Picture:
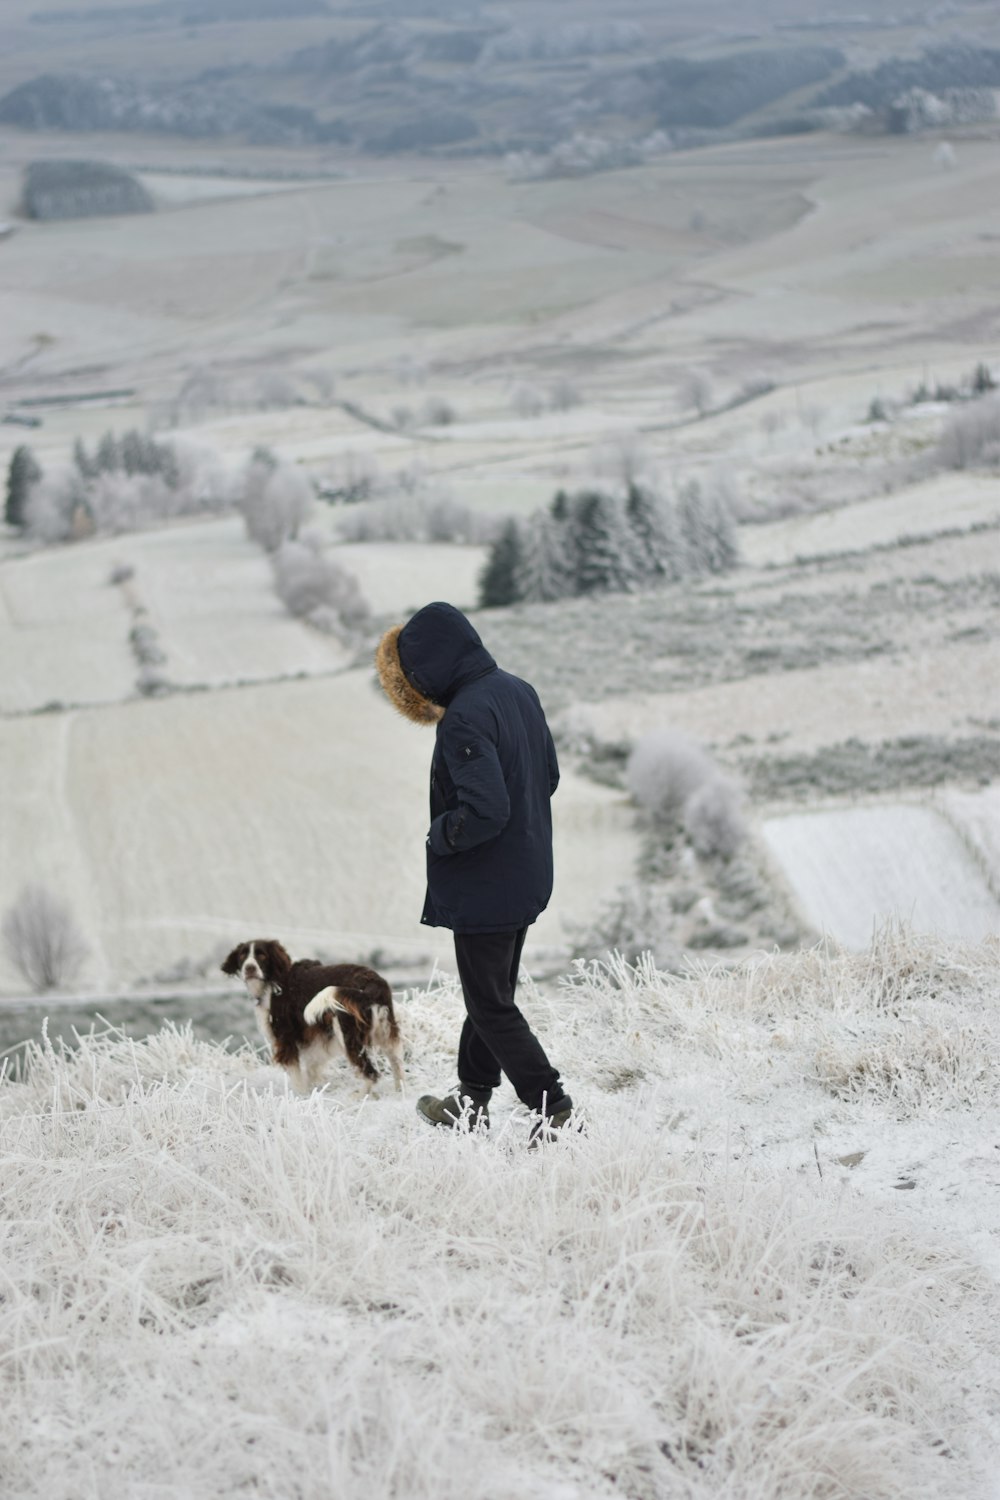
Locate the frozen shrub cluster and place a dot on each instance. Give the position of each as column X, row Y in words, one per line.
column 678, row 784
column 313, row 587
column 417, row 512
column 274, row 498
column 351, row 478
column 124, row 484
column 971, row 436
column 42, row 939
column 437, row 411
column 143, row 636
column 528, row 401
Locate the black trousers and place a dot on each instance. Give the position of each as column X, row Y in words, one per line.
column 495, row 1036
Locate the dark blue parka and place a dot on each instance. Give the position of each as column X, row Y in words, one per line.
column 489, row 849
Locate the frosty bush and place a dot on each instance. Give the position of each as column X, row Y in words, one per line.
column 665, row 769
column 678, row 785
column 275, row 499
column 417, row 515
column 972, row 436
column 527, row 401
column 126, row 483
column 352, row 477
column 311, row 586
column 42, row 938
column 437, row 412
column 712, row 818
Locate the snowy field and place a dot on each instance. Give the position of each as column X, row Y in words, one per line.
column 854, row 867
column 947, row 501
column 768, row 1268
column 295, row 809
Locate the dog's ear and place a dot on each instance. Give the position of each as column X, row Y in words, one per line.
column 234, row 963
column 280, row 960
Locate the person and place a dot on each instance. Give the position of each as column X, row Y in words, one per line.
column 489, row 850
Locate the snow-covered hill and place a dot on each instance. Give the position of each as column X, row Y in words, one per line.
column 768, row 1268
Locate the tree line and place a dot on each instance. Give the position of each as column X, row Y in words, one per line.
column 595, row 542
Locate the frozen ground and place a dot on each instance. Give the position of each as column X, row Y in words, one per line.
column 767, row 1269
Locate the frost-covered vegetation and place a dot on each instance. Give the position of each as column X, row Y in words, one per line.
column 80, row 189
column 212, row 1287
column 126, row 482
column 597, row 542
column 710, row 631
column 42, row 938
column 276, row 501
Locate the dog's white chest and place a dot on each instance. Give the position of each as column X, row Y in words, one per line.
column 262, row 1010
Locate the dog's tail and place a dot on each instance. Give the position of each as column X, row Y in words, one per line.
column 331, row 999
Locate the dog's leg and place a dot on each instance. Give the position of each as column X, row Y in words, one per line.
column 394, row 1052
column 298, row 1076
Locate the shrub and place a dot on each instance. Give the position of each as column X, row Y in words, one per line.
column 437, row 412
column 971, row 435
column 276, row 500
column 712, row 818
column 42, row 938
column 665, row 770
column 311, row 586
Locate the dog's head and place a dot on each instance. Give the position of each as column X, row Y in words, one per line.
column 262, row 961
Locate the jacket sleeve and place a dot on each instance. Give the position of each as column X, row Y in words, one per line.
column 553, row 763
column 483, row 803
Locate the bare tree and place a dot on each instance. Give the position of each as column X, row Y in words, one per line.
column 696, row 391
column 42, row 938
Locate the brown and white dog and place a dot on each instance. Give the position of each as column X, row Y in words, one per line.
column 310, row 1013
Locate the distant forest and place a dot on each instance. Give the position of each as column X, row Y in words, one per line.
column 442, row 77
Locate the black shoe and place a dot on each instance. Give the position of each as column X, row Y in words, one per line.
column 457, row 1112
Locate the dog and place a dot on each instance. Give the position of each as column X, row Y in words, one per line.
column 310, row 1013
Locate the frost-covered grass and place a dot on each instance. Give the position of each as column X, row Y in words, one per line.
column 211, row 1287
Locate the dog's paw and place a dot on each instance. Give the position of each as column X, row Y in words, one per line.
column 319, row 1006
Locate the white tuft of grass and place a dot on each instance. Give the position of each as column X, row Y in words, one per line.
column 211, row 1286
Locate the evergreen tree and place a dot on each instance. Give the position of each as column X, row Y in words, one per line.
column 602, row 546
column 86, row 467
column 560, row 507
column 108, row 459
column 498, row 581
column 708, row 530
column 22, row 475
column 659, row 547
column 544, row 572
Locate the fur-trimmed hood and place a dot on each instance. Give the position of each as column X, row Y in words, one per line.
column 422, row 664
